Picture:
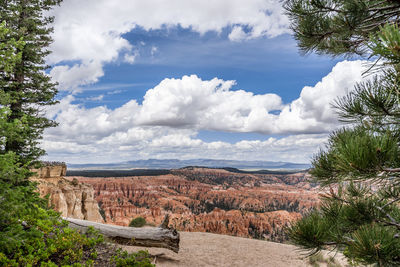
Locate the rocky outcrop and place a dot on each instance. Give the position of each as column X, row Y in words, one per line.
column 51, row 171
column 208, row 200
column 71, row 198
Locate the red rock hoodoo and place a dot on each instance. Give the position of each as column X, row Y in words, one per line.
column 208, row 200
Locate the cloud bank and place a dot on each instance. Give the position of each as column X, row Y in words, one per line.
column 172, row 113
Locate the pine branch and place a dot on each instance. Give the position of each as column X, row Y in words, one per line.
column 372, row 66
column 384, row 8
column 391, row 202
column 392, row 220
column 391, row 170
column 333, row 195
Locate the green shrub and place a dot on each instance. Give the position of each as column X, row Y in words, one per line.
column 43, row 239
column 75, row 182
column 33, row 235
column 138, row 222
column 138, row 259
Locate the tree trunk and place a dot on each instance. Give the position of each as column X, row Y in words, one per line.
column 161, row 237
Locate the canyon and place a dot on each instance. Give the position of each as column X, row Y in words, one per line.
column 199, row 199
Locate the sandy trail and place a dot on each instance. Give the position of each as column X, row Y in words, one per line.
column 205, row 249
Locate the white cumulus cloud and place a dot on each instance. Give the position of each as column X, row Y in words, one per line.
column 166, row 124
column 212, row 105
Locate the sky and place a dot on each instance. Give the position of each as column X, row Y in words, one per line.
column 187, row 79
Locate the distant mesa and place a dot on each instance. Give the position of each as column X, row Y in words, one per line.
column 176, row 164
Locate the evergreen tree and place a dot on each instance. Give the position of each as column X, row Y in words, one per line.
column 31, row 234
column 359, row 215
column 27, row 89
column 10, row 56
column 338, row 27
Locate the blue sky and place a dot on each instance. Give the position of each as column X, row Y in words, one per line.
column 261, row 66
column 136, row 86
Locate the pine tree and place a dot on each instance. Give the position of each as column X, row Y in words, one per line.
column 360, row 213
column 10, row 56
column 339, row 27
column 27, row 89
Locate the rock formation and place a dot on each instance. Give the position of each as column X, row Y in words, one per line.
column 208, row 200
column 70, row 198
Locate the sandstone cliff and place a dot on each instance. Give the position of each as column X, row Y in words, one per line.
column 208, row 200
column 70, row 198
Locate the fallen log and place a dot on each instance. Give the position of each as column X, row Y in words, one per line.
column 161, row 237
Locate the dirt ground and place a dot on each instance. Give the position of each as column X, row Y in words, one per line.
column 205, row 249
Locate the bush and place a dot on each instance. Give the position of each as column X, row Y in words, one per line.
column 138, row 259
column 75, row 182
column 138, row 222
column 33, row 235
column 41, row 237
